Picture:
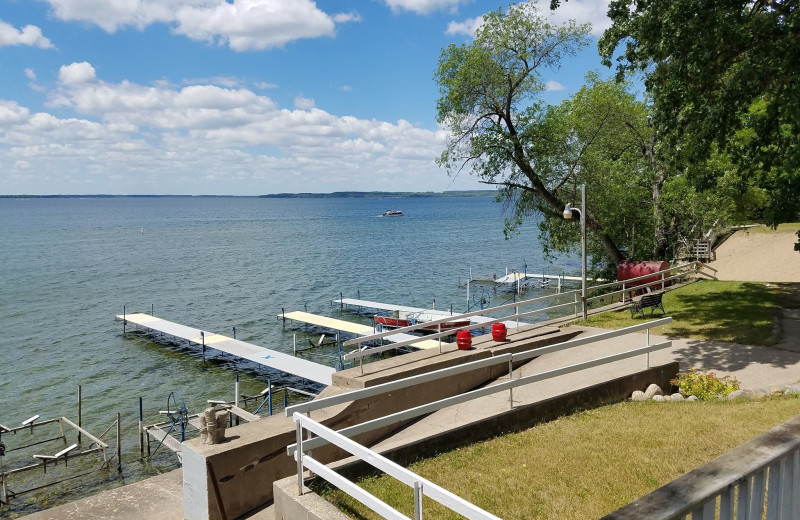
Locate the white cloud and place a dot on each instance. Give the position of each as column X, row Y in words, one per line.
column 76, row 73
column 554, row 86
column 28, row 35
column 131, row 138
column 30, row 74
column 468, row 27
column 582, row 11
column 243, row 25
column 263, row 85
column 303, row 103
column 424, row 6
column 346, row 88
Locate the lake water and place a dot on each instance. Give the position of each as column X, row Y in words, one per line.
column 69, row 265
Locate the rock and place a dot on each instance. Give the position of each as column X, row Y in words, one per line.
column 736, row 394
column 638, row 395
column 652, row 390
column 775, row 390
column 791, row 390
column 676, row 397
column 658, row 398
column 692, row 398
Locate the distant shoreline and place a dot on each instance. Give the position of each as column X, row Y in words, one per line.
column 333, row 195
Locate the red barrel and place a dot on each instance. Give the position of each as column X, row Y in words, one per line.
column 464, row 339
column 628, row 270
column 499, row 332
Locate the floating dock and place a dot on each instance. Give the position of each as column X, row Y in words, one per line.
column 419, row 313
column 355, row 328
column 263, row 356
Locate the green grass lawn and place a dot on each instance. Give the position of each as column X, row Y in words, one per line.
column 792, row 227
column 740, row 312
column 585, row 465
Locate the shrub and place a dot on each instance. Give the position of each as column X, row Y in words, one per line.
column 704, row 385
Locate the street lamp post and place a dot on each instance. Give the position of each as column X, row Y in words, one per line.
column 569, row 212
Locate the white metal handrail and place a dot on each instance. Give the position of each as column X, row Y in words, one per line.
column 420, row 485
column 509, row 385
column 683, row 268
column 375, row 350
column 391, row 386
column 454, row 317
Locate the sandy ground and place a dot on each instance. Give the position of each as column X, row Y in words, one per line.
column 758, row 257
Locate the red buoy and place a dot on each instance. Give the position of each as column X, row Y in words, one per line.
column 464, row 339
column 499, row 332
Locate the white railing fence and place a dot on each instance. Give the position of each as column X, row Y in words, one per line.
column 421, row 486
column 673, row 273
column 342, row 437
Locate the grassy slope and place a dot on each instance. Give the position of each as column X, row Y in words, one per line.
column 740, row 312
column 585, row 465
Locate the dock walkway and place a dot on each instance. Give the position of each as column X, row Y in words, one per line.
column 355, row 328
column 418, row 312
column 241, row 349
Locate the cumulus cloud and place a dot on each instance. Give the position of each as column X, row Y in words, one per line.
column 424, row 6
column 76, row 73
column 164, row 138
column 554, row 86
column 468, row 27
column 243, row 25
column 582, row 11
column 30, row 74
column 28, row 35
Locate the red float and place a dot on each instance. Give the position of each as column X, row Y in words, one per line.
column 499, row 332
column 464, row 339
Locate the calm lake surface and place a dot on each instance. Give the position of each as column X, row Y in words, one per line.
column 69, row 265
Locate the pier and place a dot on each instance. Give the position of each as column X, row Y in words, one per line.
column 241, row 349
column 355, row 328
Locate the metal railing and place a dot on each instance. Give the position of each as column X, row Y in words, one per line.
column 758, row 479
column 420, row 485
column 665, row 276
column 341, row 438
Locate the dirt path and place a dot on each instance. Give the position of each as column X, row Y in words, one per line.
column 758, row 257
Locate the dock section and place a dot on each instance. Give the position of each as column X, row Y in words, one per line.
column 355, row 328
column 241, row 349
column 419, row 313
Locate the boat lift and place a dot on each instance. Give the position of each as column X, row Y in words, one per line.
column 67, row 453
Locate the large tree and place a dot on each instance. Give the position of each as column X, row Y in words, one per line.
column 501, row 131
column 724, row 76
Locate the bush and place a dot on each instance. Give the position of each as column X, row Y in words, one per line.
column 704, row 385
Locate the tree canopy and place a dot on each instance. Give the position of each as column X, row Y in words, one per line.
column 501, row 131
column 724, row 78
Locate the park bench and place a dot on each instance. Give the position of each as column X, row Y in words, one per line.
column 651, row 300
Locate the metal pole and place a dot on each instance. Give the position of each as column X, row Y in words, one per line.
column 141, row 428
column 299, row 456
column 417, row 500
column 234, row 333
column 119, row 446
column 152, row 310
column 124, row 319
column 583, row 249
column 236, row 398
column 79, row 413
column 203, row 338
column 269, row 396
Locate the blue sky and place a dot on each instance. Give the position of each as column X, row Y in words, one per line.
column 236, row 97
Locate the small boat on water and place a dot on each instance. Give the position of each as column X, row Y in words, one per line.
column 392, row 213
column 396, row 323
